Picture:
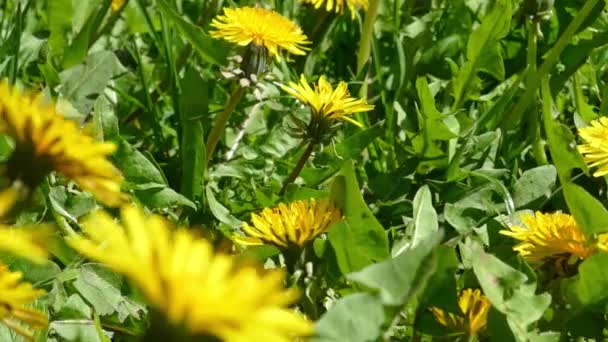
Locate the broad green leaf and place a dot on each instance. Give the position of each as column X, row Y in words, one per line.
column 193, row 107
column 588, row 287
column 367, row 241
column 73, row 312
column 82, row 83
column 425, row 216
column 219, row 211
column 441, row 289
column 483, row 50
column 431, row 121
column 60, row 24
column 589, row 213
column 101, row 287
column 355, row 318
column 510, row 292
column 534, row 184
column 136, row 168
column 207, row 47
column 164, row 197
column 394, row 279
column 560, row 139
column 105, row 120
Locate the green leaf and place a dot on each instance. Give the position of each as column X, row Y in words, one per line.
column 394, row 278
column 589, row 213
column 441, row 290
column 60, row 24
column 101, row 287
column 82, row 83
column 194, row 105
column 483, row 50
column 105, row 120
column 560, row 139
column 219, row 211
column 431, row 121
column 355, row 318
column 534, row 184
column 206, row 46
column 588, row 287
column 360, row 239
column 136, row 168
column 510, row 292
column 425, row 216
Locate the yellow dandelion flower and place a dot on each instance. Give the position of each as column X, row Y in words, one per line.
column 117, row 5
column 45, row 141
column 289, row 225
column 473, row 317
column 208, row 293
column 25, row 242
column 595, row 148
column 262, row 27
column 337, row 6
column 326, row 102
column 14, row 295
column 549, row 237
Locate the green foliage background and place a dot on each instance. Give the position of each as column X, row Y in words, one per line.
column 476, row 108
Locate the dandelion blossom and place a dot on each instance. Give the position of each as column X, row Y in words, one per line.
column 262, row 27
column 117, row 5
column 473, row 317
column 14, row 295
column 25, row 242
column 208, row 293
column 595, row 148
column 287, row 225
column 550, row 236
column 337, row 6
column 45, row 141
column 327, row 103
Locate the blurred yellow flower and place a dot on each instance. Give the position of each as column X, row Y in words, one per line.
column 262, row 27
column 117, row 4
column 288, row 225
column 45, row 142
column 595, row 148
column 338, row 5
column 25, row 242
column 208, row 293
column 327, row 103
column 473, row 317
column 549, row 237
column 14, row 295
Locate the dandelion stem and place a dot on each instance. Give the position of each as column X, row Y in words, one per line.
column 221, row 120
column 296, row 171
column 538, row 148
column 367, row 32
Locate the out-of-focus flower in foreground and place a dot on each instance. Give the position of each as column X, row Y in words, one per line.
column 288, row 225
column 14, row 295
column 473, row 317
column 338, row 6
column 207, row 293
column 45, row 142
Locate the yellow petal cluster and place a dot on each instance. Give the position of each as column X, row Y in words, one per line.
column 208, row 293
column 45, row 141
column 473, row 317
column 595, row 148
column 117, row 5
column 552, row 236
column 14, row 295
column 262, row 27
column 337, row 6
column 326, row 102
column 25, row 242
column 288, row 225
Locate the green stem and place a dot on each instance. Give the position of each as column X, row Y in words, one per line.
column 296, row 171
column 367, row 32
column 221, row 120
column 109, row 24
column 538, row 148
column 552, row 58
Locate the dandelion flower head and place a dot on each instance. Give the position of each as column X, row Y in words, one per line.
column 473, row 317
